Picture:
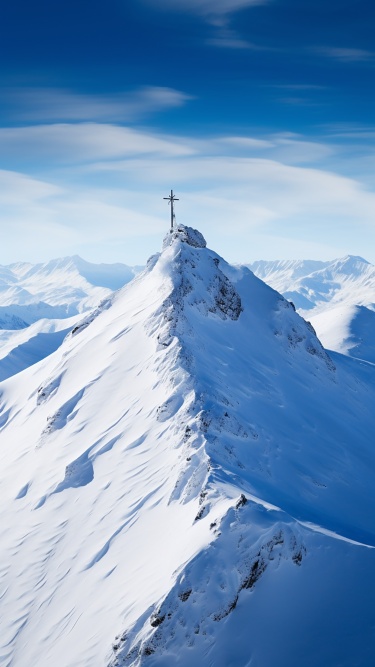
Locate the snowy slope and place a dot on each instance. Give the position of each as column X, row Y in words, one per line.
column 349, row 330
column 338, row 297
column 26, row 346
column 186, row 476
column 40, row 304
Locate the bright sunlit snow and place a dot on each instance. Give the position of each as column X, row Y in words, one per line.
column 188, row 480
column 41, row 303
column 338, row 297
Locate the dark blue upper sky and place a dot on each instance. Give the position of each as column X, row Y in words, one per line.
column 102, row 100
column 284, row 64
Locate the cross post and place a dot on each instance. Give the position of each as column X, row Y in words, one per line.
column 171, row 199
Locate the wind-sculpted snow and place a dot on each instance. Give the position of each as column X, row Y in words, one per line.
column 21, row 349
column 188, row 474
column 349, row 330
column 82, row 324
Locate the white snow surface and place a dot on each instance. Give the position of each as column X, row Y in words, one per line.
column 41, row 303
column 338, row 297
column 24, row 347
column 349, row 330
column 188, row 480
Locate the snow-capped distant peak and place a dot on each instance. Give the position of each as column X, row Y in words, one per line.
column 60, row 288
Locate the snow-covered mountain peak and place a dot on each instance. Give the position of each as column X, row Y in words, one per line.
column 351, row 267
column 196, row 277
column 186, row 235
column 351, row 260
column 186, row 455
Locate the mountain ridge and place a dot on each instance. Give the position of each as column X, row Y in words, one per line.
column 181, row 461
column 315, row 285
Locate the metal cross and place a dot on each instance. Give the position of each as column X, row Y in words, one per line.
column 171, row 199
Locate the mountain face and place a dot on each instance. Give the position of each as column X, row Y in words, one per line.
column 338, row 297
column 187, row 480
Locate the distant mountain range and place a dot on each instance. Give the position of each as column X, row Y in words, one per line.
column 57, row 289
column 314, row 285
column 338, row 297
column 41, row 303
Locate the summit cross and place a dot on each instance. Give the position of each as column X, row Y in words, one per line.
column 171, row 200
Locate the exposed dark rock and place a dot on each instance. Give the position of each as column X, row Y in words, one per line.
column 227, row 611
column 157, row 619
column 256, row 571
column 185, row 595
column 241, row 501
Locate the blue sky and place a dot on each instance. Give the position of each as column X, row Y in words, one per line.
column 259, row 114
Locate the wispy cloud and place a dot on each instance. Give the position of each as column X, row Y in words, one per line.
column 18, row 189
column 299, row 87
column 246, row 143
column 212, row 10
column 53, row 104
column 347, row 55
column 94, row 143
column 80, row 142
column 111, row 182
column 217, row 13
column 230, row 39
column 231, row 199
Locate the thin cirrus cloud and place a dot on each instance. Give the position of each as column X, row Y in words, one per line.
column 71, row 143
column 229, row 39
column 217, row 13
column 347, row 55
column 288, row 148
column 52, row 104
column 261, row 186
column 209, row 9
column 18, row 190
column 96, row 143
column 252, row 194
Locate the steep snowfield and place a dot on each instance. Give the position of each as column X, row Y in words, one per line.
column 24, row 347
column 187, row 480
column 349, row 330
